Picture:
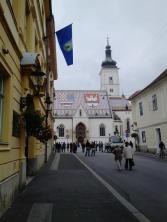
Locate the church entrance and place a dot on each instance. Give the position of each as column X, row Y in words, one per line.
column 80, row 132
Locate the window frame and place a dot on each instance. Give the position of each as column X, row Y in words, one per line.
column 154, row 102
column 143, row 136
column 110, row 80
column 102, row 130
column 61, row 130
column 141, row 108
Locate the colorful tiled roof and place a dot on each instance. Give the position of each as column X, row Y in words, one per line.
column 94, row 102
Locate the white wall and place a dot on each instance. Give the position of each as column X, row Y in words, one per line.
column 104, row 78
column 94, row 133
column 92, row 128
column 151, row 120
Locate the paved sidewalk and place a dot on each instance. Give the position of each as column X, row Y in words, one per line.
column 66, row 192
column 151, row 155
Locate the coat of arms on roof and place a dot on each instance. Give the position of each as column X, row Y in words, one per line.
column 66, row 99
column 91, row 99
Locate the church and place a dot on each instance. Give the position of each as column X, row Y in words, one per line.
column 93, row 115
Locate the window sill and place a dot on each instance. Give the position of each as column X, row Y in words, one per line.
column 4, row 146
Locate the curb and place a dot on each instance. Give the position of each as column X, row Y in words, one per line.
column 154, row 156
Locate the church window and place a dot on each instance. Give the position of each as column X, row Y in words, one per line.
column 111, row 90
column 110, row 80
column 80, row 112
column 1, row 102
column 102, row 130
column 61, row 131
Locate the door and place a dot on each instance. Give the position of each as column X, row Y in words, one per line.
column 80, row 132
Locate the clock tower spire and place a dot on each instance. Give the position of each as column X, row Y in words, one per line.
column 109, row 73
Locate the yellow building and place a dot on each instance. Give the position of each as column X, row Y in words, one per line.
column 27, row 70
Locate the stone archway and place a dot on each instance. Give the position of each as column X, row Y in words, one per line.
column 80, row 132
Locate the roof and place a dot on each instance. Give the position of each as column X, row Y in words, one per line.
column 94, row 102
column 120, row 104
column 159, row 78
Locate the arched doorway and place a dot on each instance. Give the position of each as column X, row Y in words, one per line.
column 80, row 132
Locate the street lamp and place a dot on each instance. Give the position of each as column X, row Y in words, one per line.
column 48, row 109
column 38, row 74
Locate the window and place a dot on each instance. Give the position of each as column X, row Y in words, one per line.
column 128, row 125
column 141, row 108
column 61, row 131
column 102, row 130
column 143, row 134
column 80, row 112
column 110, row 80
column 1, row 102
column 16, row 124
column 116, row 130
column 154, row 102
column 111, row 90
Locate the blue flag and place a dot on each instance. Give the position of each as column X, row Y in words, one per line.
column 64, row 37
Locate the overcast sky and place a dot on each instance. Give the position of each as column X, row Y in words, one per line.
column 137, row 31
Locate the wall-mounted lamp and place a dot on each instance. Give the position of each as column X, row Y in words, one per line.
column 48, row 102
column 38, row 74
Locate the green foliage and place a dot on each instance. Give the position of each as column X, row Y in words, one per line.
column 34, row 121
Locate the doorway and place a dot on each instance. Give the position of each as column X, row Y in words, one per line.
column 80, row 132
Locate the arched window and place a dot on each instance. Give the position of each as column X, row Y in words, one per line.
column 61, row 130
column 102, row 130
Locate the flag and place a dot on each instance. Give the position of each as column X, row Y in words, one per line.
column 64, row 37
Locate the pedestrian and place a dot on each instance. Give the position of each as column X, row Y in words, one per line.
column 162, row 150
column 71, row 147
column 68, row 146
column 87, row 153
column 128, row 154
column 83, row 147
column 118, row 151
column 74, row 147
column 63, row 147
column 93, row 149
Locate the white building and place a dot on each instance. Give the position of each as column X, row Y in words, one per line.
column 149, row 113
column 93, row 114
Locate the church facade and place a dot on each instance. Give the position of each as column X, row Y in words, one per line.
column 93, row 115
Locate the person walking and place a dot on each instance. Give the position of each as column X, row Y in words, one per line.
column 118, row 156
column 93, row 148
column 162, row 150
column 87, row 153
column 128, row 154
column 83, row 147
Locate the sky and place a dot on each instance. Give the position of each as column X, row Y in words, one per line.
column 137, row 32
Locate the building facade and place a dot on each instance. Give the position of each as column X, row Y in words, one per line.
column 149, row 109
column 27, row 71
column 93, row 115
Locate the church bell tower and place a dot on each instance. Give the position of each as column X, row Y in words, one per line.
column 109, row 76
